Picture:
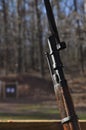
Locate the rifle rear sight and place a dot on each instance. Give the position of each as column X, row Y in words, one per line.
column 58, row 45
column 54, row 48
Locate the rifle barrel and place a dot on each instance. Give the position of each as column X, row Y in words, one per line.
column 66, row 106
column 51, row 19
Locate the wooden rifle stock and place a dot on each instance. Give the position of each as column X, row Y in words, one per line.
column 69, row 118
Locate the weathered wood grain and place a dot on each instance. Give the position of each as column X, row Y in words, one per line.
column 35, row 125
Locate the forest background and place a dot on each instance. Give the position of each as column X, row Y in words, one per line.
column 24, row 31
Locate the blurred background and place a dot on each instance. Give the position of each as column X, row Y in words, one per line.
column 26, row 90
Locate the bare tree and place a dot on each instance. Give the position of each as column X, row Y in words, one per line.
column 80, row 40
column 20, row 36
column 39, row 37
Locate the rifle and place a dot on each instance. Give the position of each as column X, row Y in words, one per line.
column 69, row 118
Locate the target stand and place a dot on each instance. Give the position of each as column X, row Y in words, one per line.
column 10, row 90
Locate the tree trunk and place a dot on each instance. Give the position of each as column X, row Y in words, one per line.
column 39, row 35
column 80, row 46
column 5, row 14
column 85, row 7
column 20, row 60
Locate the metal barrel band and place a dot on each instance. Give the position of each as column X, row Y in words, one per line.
column 68, row 119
